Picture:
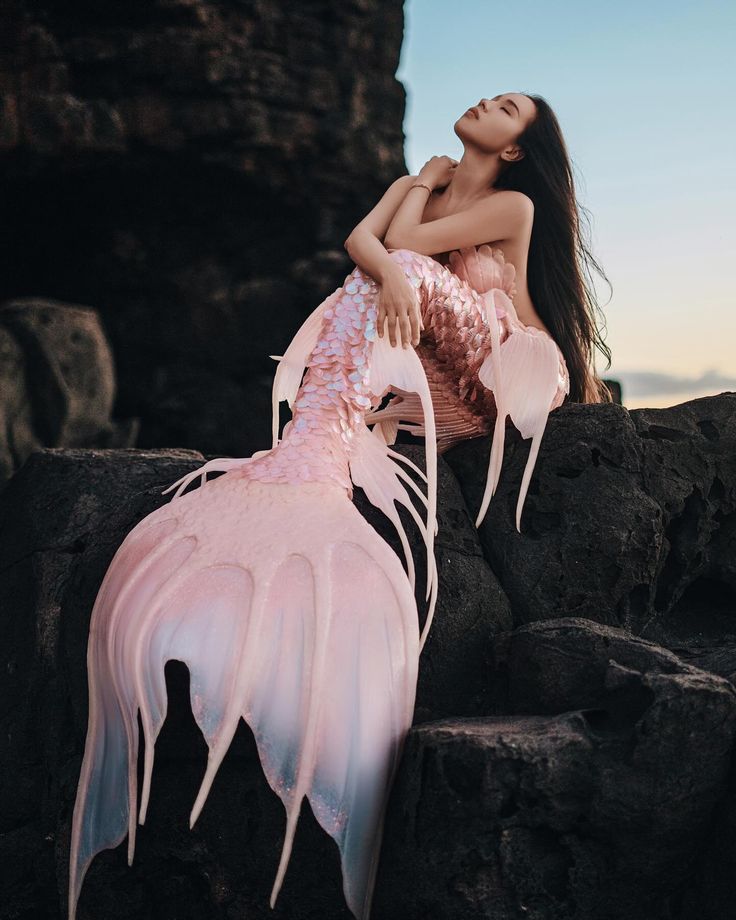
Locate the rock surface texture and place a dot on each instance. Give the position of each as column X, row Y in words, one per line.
column 573, row 743
column 178, row 178
column 190, row 169
column 57, row 381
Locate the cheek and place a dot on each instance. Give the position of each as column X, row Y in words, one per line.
column 491, row 135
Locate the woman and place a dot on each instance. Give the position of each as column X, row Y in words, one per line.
column 512, row 189
column 288, row 608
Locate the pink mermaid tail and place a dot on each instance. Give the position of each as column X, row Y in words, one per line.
column 288, row 608
column 483, row 364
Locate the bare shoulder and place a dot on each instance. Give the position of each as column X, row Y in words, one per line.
column 514, row 203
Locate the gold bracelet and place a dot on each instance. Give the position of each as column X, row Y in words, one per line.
column 422, row 185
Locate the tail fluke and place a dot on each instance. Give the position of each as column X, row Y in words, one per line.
column 309, row 634
column 105, row 804
column 363, row 679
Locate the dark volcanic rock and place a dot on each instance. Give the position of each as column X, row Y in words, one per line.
column 630, row 520
column 552, row 666
column 191, row 170
column 595, row 803
column 689, row 469
column 563, row 769
column 58, row 381
column 589, row 532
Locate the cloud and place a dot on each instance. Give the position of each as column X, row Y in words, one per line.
column 636, row 384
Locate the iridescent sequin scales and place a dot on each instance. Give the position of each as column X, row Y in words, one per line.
column 335, row 400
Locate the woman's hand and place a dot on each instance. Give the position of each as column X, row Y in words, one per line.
column 398, row 303
column 437, row 171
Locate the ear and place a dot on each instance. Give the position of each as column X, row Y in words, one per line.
column 513, row 155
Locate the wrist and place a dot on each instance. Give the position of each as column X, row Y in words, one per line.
column 388, row 270
column 424, row 180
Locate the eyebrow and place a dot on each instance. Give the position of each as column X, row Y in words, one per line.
column 510, row 102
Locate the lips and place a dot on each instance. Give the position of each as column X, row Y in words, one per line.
column 474, row 111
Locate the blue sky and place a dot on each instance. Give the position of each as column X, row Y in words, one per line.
column 645, row 95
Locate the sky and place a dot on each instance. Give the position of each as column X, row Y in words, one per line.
column 644, row 93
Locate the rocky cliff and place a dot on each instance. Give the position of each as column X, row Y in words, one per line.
column 189, row 169
column 573, row 740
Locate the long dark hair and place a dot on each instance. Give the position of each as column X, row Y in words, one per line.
column 558, row 269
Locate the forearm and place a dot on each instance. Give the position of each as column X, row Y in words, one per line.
column 407, row 217
column 369, row 254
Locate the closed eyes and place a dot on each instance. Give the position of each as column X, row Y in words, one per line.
column 503, row 108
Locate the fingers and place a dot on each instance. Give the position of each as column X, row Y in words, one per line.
column 391, row 319
column 406, row 332
column 387, row 316
column 404, row 323
column 415, row 322
column 386, row 319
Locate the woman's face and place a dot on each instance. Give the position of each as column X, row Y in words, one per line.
column 494, row 124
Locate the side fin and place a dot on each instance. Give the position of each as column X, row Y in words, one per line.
column 386, row 429
column 490, row 374
column 523, row 373
column 399, row 369
column 454, row 420
column 377, row 470
column 286, row 382
column 405, row 408
column 292, row 363
column 216, row 465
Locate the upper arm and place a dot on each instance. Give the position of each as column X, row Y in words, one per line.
column 378, row 220
column 499, row 217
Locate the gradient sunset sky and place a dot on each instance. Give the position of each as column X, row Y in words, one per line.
column 644, row 93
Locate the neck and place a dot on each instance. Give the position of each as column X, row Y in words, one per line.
column 472, row 178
